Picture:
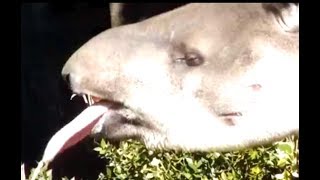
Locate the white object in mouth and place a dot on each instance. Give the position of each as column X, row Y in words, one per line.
column 72, row 133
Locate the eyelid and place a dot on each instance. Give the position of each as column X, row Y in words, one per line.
column 188, row 56
column 195, row 61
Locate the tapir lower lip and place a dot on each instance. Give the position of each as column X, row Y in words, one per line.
column 231, row 114
column 119, row 105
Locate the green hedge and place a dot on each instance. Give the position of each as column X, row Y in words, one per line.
column 133, row 161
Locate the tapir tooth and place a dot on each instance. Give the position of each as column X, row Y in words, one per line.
column 72, row 96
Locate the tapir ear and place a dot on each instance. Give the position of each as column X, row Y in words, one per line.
column 287, row 14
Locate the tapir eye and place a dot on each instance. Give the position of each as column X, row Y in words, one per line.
column 191, row 59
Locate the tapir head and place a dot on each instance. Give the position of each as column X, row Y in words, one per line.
column 200, row 77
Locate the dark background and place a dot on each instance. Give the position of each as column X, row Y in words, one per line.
column 50, row 33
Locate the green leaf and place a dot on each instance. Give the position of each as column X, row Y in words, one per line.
column 97, row 149
column 149, row 176
column 199, row 164
column 191, row 165
column 187, row 175
column 253, row 154
column 286, row 147
column 122, row 176
column 118, row 169
column 103, row 143
column 109, row 173
column 255, row 170
column 269, row 162
column 282, row 162
column 102, row 152
column 204, row 178
column 223, row 176
column 230, row 176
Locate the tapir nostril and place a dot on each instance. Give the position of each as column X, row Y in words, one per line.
column 66, row 78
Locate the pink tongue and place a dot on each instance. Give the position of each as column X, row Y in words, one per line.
column 79, row 128
column 69, row 135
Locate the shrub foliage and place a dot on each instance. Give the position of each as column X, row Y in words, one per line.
column 131, row 160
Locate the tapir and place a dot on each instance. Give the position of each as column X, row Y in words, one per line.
column 202, row 77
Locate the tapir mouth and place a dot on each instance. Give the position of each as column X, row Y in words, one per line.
column 90, row 121
column 129, row 115
column 112, row 106
column 116, row 105
column 91, row 100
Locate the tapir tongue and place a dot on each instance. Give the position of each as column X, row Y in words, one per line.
column 79, row 128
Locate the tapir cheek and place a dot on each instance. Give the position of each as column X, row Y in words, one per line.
column 191, row 83
column 147, row 73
